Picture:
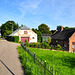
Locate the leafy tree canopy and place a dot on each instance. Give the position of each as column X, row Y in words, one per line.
column 6, row 28
column 59, row 27
column 44, row 29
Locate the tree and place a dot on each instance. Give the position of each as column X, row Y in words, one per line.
column 39, row 36
column 68, row 27
column 59, row 28
column 35, row 30
column 44, row 29
column 49, row 40
column 6, row 28
column 53, row 31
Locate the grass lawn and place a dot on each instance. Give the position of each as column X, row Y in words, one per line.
column 64, row 62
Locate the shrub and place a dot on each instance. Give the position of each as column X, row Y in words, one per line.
column 49, row 40
column 45, row 45
column 33, row 45
column 26, row 43
column 16, row 39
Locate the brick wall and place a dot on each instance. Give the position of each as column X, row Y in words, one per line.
column 71, row 40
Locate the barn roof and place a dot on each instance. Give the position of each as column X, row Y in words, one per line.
column 22, row 28
column 63, row 35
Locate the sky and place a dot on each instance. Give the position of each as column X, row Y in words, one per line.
column 32, row 13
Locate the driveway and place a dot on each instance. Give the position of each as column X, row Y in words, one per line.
column 9, row 60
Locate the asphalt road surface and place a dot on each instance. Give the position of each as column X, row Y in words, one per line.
column 9, row 59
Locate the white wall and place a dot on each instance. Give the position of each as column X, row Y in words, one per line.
column 29, row 32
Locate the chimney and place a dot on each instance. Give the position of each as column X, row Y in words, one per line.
column 61, row 28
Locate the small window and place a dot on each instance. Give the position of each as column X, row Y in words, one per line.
column 25, row 32
column 73, row 44
column 33, row 38
column 65, row 45
column 44, row 37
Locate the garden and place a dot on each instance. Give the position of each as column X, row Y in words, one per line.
column 63, row 62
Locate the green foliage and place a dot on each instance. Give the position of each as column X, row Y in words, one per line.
column 39, row 36
column 59, row 28
column 16, row 39
column 45, row 45
column 6, row 28
column 63, row 62
column 30, row 68
column 68, row 27
column 53, row 31
column 33, row 45
column 26, row 43
column 44, row 29
column 49, row 40
column 40, row 45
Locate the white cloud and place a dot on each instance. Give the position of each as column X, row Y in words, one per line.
column 27, row 7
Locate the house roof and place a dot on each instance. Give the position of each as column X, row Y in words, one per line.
column 22, row 28
column 63, row 35
column 46, row 34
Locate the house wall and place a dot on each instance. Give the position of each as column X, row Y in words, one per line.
column 30, row 33
column 61, row 42
column 71, row 40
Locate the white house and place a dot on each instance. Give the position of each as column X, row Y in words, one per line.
column 25, row 33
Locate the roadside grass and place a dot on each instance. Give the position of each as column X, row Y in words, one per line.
column 64, row 62
column 30, row 68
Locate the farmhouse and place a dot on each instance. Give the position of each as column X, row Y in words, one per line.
column 25, row 33
column 66, row 38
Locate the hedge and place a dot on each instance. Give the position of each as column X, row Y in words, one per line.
column 16, row 39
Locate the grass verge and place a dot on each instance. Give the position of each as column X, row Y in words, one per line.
column 64, row 62
column 30, row 68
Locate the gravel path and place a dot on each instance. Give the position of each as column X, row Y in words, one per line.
column 9, row 60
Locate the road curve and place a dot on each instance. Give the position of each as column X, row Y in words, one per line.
column 9, row 60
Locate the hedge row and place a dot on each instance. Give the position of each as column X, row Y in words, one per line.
column 43, row 45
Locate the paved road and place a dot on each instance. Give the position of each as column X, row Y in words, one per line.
column 9, row 61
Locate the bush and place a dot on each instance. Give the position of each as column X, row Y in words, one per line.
column 49, row 40
column 40, row 45
column 45, row 45
column 16, row 39
column 33, row 45
column 26, row 43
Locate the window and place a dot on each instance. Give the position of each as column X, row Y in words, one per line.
column 65, row 45
column 25, row 32
column 33, row 38
column 44, row 37
column 73, row 44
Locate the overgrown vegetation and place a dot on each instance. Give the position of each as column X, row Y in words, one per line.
column 64, row 62
column 30, row 68
column 26, row 43
column 45, row 45
column 16, row 39
column 13, row 39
